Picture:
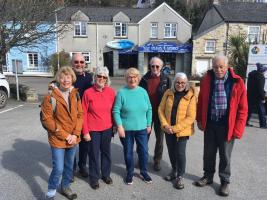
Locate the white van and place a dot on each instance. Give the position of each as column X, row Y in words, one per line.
column 4, row 91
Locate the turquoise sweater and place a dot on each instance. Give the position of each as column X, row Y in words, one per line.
column 132, row 109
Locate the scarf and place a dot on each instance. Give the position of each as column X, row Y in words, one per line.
column 219, row 99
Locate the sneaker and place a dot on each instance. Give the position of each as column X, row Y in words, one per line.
column 83, row 172
column 171, row 176
column 67, row 192
column 146, row 177
column 249, row 125
column 224, row 189
column 129, row 180
column 203, row 181
column 157, row 166
column 94, row 185
column 50, row 194
column 108, row 180
column 179, row 183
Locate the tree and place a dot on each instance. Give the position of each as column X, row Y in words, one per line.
column 26, row 23
column 63, row 59
column 239, row 49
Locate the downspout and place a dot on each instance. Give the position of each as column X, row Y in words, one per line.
column 96, row 44
column 227, row 39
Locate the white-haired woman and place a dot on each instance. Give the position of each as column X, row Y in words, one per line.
column 177, row 113
column 97, row 104
column 133, row 115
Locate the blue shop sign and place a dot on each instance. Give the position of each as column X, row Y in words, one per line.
column 165, row 47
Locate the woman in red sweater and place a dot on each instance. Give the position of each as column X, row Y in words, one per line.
column 97, row 128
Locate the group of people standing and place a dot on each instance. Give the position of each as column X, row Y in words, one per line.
column 90, row 111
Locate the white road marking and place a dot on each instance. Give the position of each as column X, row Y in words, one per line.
column 11, row 109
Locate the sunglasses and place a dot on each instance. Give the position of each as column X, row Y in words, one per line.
column 155, row 66
column 77, row 62
column 104, row 77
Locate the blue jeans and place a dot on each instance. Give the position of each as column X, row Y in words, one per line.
column 62, row 161
column 141, row 140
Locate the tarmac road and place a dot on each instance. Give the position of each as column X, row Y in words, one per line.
column 26, row 163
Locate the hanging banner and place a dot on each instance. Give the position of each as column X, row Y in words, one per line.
column 165, row 47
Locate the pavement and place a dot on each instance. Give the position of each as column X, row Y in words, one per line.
column 25, row 162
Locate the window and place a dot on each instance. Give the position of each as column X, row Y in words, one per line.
column 210, row 46
column 87, row 56
column 253, row 34
column 170, row 30
column 120, row 29
column 154, row 30
column 33, row 60
column 80, row 29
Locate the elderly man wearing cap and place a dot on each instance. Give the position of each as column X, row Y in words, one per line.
column 256, row 94
column 97, row 104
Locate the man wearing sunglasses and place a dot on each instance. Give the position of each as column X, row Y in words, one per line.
column 156, row 83
column 83, row 82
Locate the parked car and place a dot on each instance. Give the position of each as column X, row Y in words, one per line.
column 4, row 91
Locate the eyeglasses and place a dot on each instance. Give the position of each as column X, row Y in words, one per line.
column 100, row 76
column 77, row 62
column 155, row 66
column 180, row 83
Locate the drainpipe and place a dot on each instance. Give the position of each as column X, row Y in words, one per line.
column 96, row 44
column 227, row 39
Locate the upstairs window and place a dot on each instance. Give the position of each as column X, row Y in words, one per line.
column 33, row 60
column 170, row 30
column 210, row 46
column 254, row 34
column 120, row 29
column 154, row 30
column 80, row 29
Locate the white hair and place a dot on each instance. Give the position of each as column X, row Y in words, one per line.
column 102, row 71
column 220, row 57
column 183, row 76
column 156, row 58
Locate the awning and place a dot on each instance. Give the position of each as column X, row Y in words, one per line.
column 165, row 47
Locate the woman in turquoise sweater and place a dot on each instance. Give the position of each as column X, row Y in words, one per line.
column 133, row 115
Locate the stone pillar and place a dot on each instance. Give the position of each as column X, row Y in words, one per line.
column 187, row 63
column 141, row 62
column 115, row 62
column 179, row 63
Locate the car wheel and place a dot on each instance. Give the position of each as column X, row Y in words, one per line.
column 3, row 98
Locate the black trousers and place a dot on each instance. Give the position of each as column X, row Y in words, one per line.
column 215, row 138
column 99, row 152
column 177, row 153
column 83, row 154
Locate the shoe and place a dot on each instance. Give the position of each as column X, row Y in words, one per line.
column 67, row 192
column 224, row 189
column 263, row 127
column 107, row 180
column 129, row 179
column 203, row 181
column 157, row 166
column 83, row 172
column 179, row 183
column 249, row 125
column 171, row 176
column 94, row 185
column 146, row 177
column 50, row 194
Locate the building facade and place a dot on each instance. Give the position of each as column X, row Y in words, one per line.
column 120, row 38
column 223, row 21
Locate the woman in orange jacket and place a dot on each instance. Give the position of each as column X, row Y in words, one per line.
column 177, row 113
column 63, row 122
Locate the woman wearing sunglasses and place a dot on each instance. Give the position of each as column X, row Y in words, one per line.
column 177, row 113
column 97, row 104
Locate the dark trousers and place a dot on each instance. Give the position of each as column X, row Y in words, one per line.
column 177, row 153
column 99, row 144
column 83, row 153
column 261, row 112
column 141, row 139
column 215, row 138
column 158, row 151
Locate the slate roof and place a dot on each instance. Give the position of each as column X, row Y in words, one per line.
column 104, row 14
column 243, row 12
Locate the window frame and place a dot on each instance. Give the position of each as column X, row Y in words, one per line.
column 85, row 54
column 256, row 34
column 206, row 46
column 171, row 35
column 32, row 64
column 82, row 29
column 151, row 29
column 120, row 25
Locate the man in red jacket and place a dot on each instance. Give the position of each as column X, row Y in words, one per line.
column 221, row 113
